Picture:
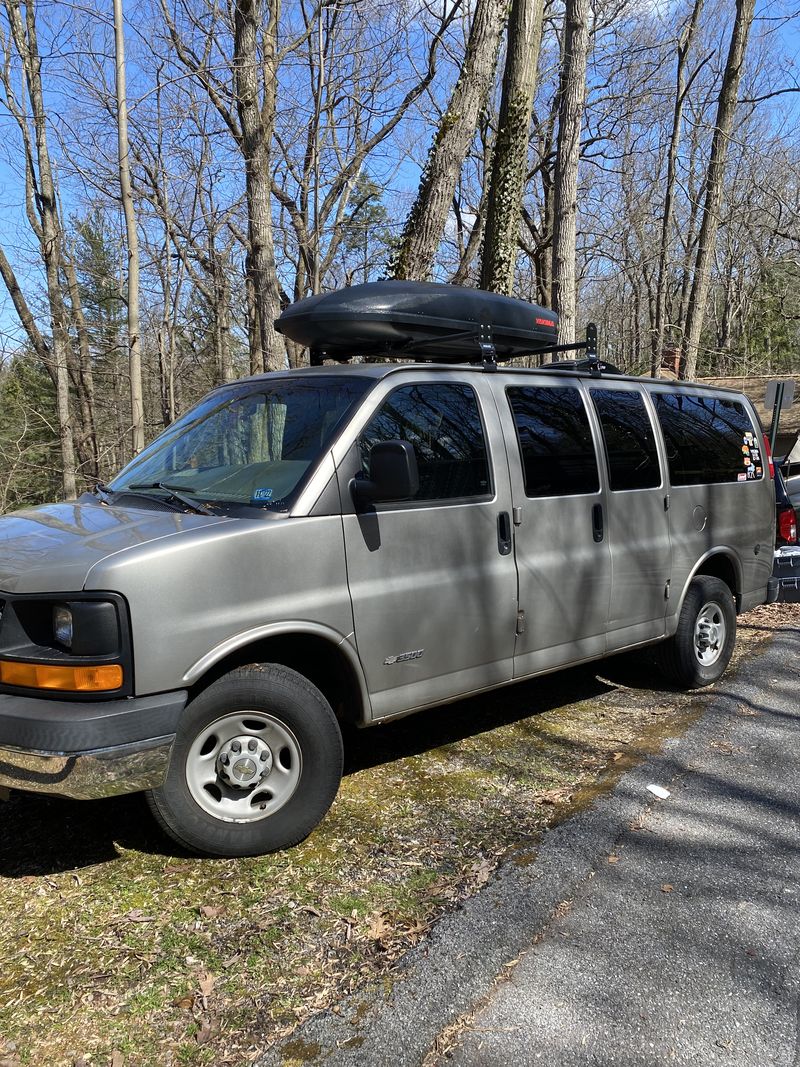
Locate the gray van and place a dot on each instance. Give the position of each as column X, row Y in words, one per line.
column 357, row 542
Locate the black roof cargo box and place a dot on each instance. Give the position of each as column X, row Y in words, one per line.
column 419, row 320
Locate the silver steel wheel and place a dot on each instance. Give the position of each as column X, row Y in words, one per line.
column 243, row 767
column 709, row 634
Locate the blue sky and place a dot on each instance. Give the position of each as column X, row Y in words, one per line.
column 20, row 243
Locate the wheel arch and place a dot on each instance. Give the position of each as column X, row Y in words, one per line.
column 323, row 656
column 719, row 563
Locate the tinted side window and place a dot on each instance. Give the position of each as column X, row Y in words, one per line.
column 555, row 440
column 443, row 423
column 709, row 439
column 629, row 439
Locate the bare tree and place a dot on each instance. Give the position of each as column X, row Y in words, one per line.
column 44, row 219
column 126, row 195
column 322, row 156
column 682, row 88
column 570, row 119
column 247, row 108
column 510, row 160
column 723, row 125
column 255, row 78
column 426, row 219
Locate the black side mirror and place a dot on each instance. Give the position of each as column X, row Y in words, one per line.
column 394, row 474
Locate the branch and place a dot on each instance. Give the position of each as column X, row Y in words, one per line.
column 22, row 309
column 769, row 96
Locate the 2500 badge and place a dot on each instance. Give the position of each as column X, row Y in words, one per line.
column 404, row 657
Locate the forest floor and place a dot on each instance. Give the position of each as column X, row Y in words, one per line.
column 118, row 950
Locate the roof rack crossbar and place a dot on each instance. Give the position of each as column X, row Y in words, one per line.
column 486, row 353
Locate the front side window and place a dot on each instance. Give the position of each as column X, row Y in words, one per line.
column 709, row 439
column 629, row 439
column 443, row 423
column 245, row 446
column 555, row 440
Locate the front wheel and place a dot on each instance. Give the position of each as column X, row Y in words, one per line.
column 700, row 649
column 256, row 763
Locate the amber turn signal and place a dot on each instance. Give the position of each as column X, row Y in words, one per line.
column 68, row 679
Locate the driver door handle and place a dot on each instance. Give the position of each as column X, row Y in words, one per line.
column 504, row 533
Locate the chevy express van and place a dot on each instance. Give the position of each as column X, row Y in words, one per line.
column 357, row 542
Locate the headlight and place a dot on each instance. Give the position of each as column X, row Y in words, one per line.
column 80, row 627
column 77, row 645
column 62, row 625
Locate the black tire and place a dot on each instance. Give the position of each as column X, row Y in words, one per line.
column 682, row 657
column 297, row 751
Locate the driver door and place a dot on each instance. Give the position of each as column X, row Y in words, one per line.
column 432, row 579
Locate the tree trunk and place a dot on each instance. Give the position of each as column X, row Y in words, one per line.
column 709, row 225
column 510, row 160
column 565, row 203
column 90, row 461
column 681, row 89
column 426, row 220
column 256, row 121
column 49, row 234
column 126, row 194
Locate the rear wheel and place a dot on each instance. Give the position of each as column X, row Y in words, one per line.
column 701, row 648
column 256, row 764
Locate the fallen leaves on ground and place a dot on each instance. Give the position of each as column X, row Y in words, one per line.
column 136, row 958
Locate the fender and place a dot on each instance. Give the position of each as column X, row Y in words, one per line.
column 285, row 629
column 717, row 550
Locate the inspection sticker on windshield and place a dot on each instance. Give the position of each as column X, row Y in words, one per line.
column 261, row 495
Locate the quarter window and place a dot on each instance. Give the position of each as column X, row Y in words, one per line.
column 709, row 439
column 443, row 423
column 629, row 439
column 555, row 440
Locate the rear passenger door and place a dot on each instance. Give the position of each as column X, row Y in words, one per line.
column 561, row 545
column 637, row 519
column 720, row 495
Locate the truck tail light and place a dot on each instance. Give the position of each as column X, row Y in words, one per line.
column 787, row 526
column 768, row 456
column 103, row 678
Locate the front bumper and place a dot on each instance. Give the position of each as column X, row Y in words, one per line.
column 87, row 750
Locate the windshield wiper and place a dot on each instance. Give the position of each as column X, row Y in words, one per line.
column 108, row 492
column 176, row 493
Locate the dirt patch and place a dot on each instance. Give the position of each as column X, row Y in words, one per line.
column 117, row 950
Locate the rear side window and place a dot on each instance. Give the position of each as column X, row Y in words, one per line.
column 709, row 439
column 443, row 423
column 555, row 440
column 629, row 439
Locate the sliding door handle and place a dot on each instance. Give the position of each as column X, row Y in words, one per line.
column 597, row 522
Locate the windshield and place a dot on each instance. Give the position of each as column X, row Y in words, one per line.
column 248, row 445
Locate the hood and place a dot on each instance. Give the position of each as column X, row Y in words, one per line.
column 50, row 549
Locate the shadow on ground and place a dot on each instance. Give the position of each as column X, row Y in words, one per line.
column 42, row 835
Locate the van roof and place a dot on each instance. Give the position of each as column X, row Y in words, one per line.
column 379, row 370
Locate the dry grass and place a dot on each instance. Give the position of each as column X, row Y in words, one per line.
column 116, row 950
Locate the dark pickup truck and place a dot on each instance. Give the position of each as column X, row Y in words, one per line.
column 787, row 550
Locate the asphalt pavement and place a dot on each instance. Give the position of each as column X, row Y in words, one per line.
column 647, row 931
